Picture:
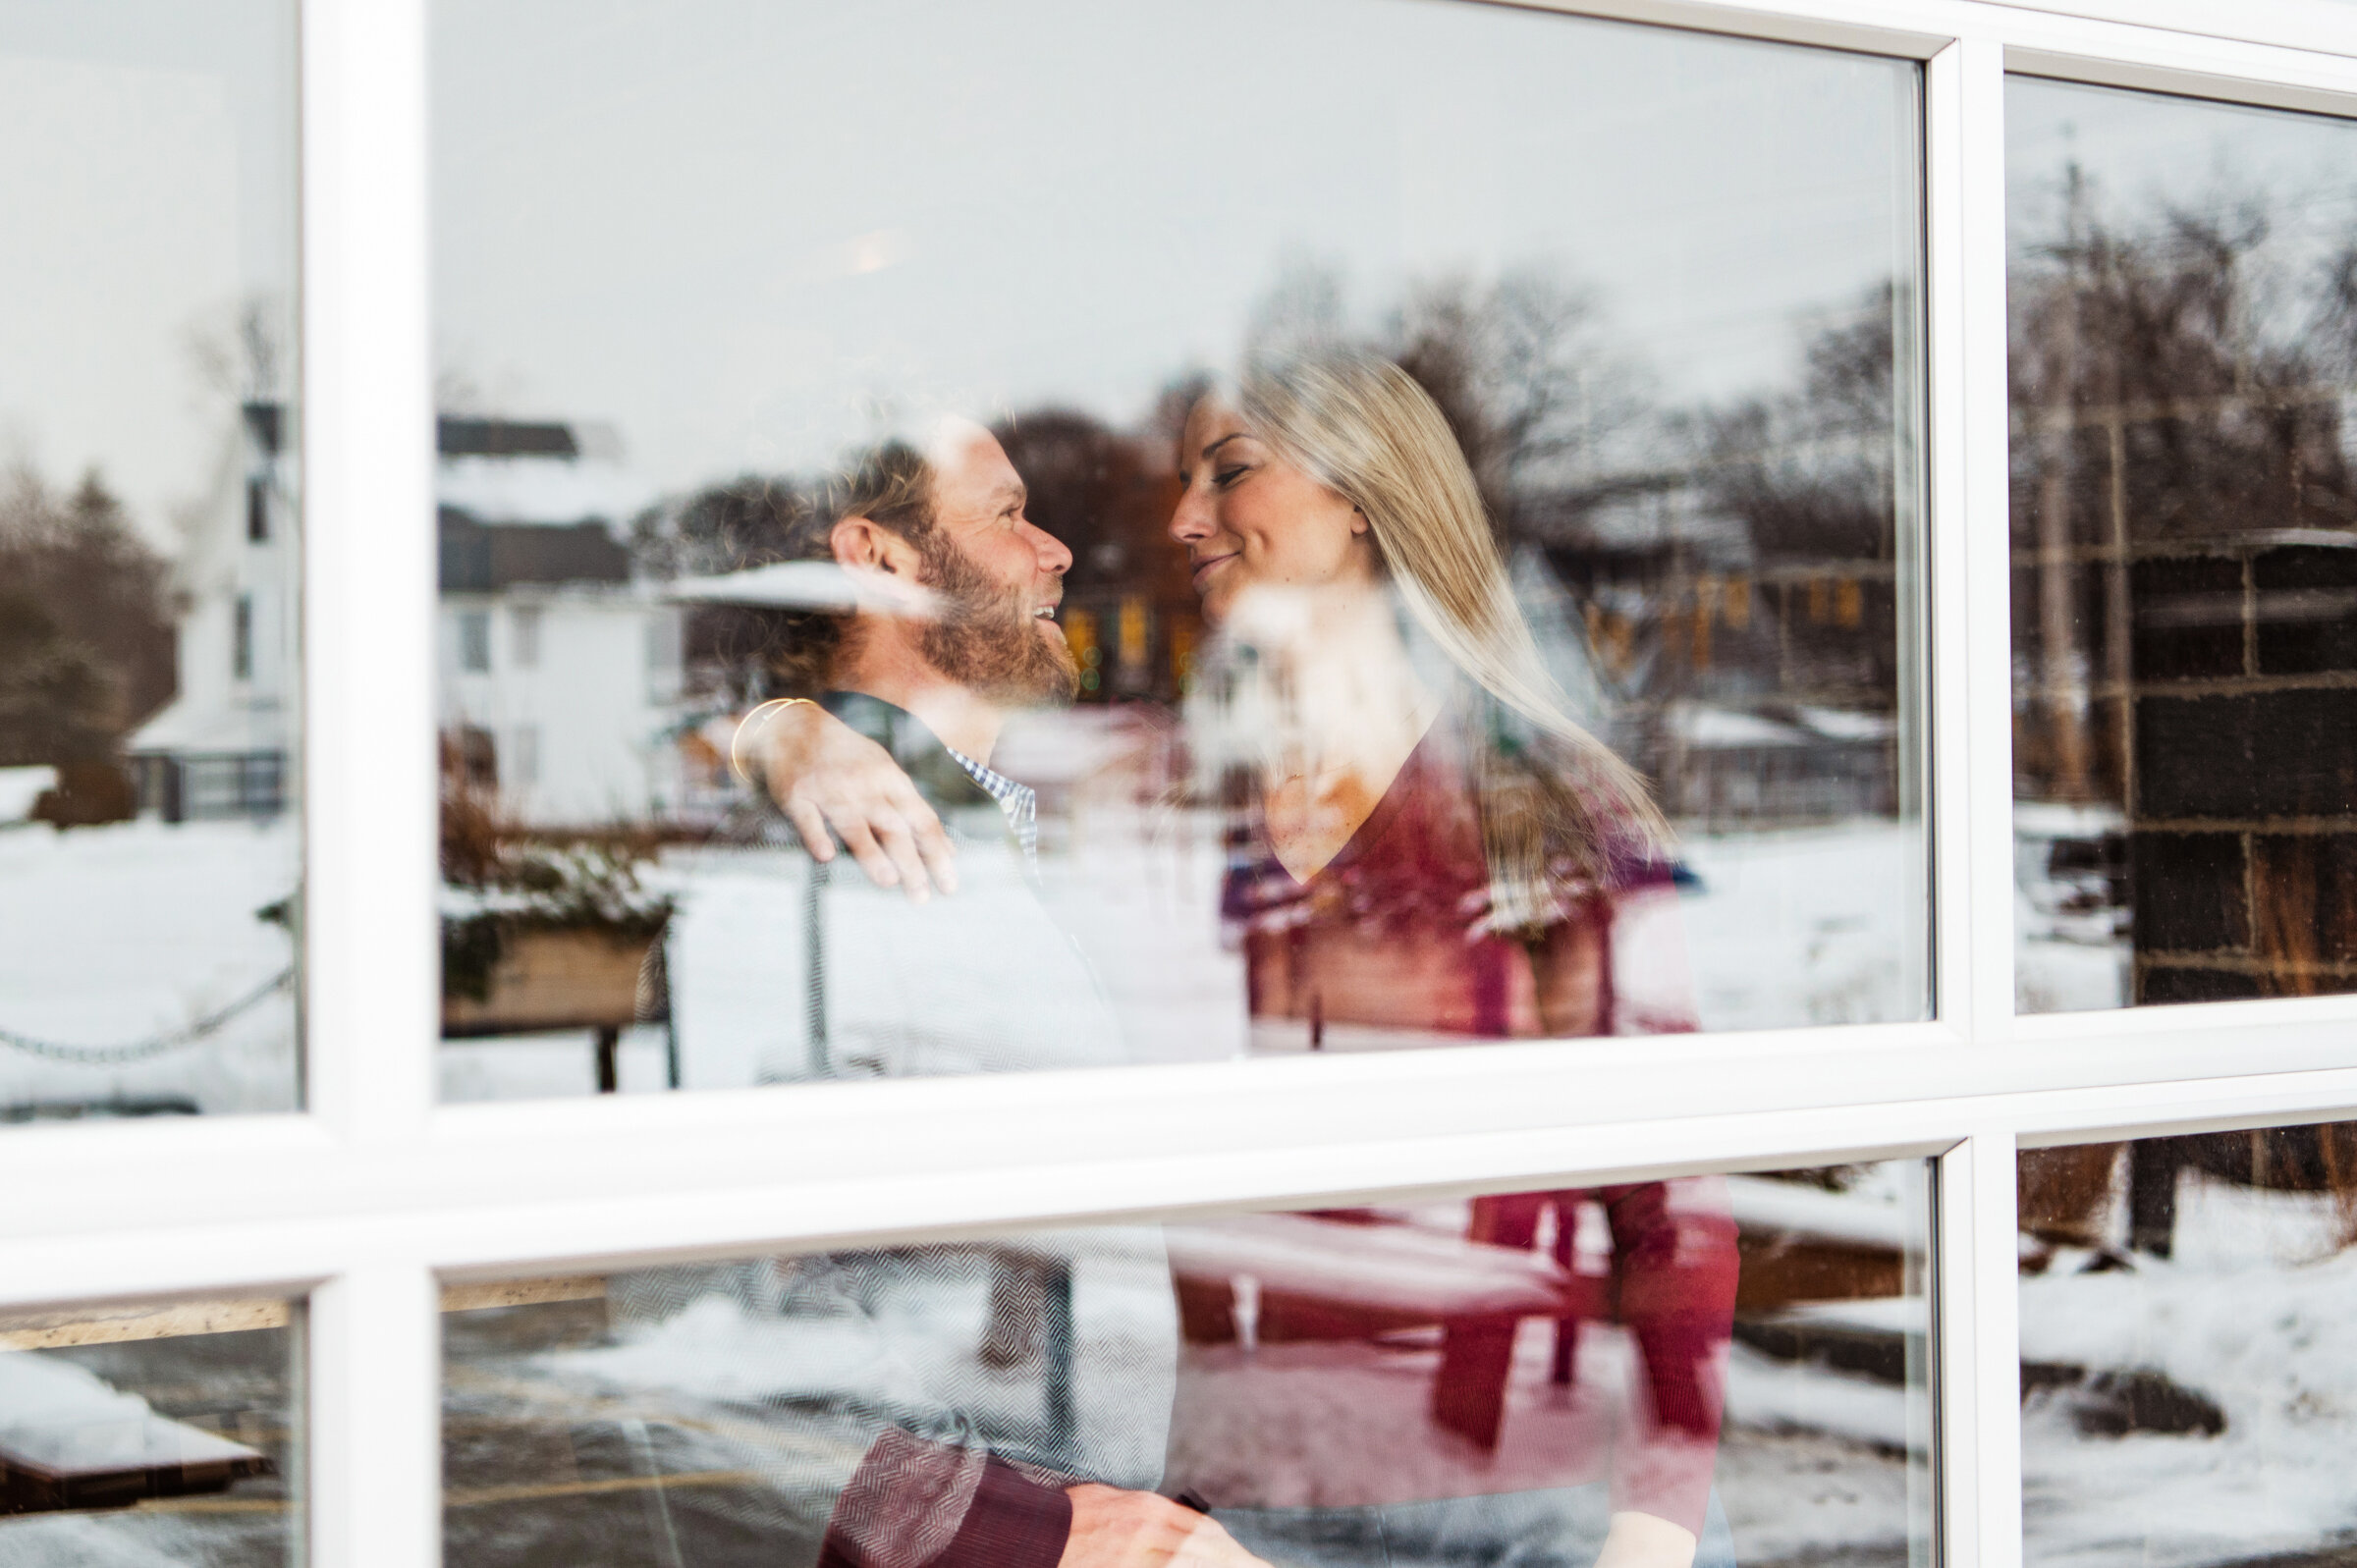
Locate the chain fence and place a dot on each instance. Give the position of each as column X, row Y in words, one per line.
column 188, row 1034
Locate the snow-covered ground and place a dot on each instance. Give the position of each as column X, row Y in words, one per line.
column 221, row 1392
column 2071, row 946
column 112, row 936
column 1809, row 926
column 2256, row 1312
column 733, row 1385
column 1822, row 926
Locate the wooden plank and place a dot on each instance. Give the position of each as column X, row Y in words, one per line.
column 134, row 1320
column 110, row 1326
column 523, row 1292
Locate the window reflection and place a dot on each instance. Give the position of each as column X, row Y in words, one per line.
column 2183, row 529
column 147, row 1432
column 148, row 659
column 2183, row 1312
column 1718, row 1370
column 1615, row 733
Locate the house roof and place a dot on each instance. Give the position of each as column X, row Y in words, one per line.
column 487, row 556
column 459, row 437
column 185, row 726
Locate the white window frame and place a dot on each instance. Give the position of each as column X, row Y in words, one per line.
column 368, row 1199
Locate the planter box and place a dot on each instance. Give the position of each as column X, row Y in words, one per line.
column 563, row 979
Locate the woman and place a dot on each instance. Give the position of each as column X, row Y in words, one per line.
column 1430, row 845
column 1440, row 842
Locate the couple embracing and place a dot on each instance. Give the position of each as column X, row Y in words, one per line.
column 1434, row 844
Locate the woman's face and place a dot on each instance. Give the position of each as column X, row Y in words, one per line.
column 1250, row 520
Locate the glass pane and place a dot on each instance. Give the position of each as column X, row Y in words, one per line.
column 1720, row 1369
column 1589, row 710
column 146, row 1434
column 149, row 535
column 2184, row 1303
column 2184, row 536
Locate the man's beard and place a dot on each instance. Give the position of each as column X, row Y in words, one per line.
column 985, row 637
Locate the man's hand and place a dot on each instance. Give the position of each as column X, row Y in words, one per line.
column 1643, row 1540
column 1116, row 1529
column 823, row 774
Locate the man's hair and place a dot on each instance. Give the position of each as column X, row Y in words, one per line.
column 890, row 484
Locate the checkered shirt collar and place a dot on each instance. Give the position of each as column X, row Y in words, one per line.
column 1020, row 802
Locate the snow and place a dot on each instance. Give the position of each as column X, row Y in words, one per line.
column 1698, row 725
column 538, row 489
column 1812, row 1464
column 20, row 787
column 1799, row 1396
column 1846, row 724
column 1808, row 926
column 2254, row 1313
column 1760, row 1204
column 114, row 935
column 2071, row 946
column 66, row 1419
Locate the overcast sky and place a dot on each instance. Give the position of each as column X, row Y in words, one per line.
column 736, row 228
column 2143, row 155
column 732, row 229
column 146, row 169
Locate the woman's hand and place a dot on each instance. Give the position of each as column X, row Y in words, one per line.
column 1117, row 1529
column 1644, row 1540
column 825, row 775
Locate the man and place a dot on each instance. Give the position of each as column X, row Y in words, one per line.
column 951, row 629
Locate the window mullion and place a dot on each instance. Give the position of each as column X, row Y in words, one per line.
column 374, row 1461
column 370, row 928
column 1978, row 1314
column 1971, row 628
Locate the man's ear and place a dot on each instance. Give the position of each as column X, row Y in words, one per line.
column 879, row 561
column 860, row 542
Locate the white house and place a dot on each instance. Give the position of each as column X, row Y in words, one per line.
column 559, row 674
column 220, row 748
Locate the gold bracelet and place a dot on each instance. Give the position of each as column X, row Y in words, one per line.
column 735, row 760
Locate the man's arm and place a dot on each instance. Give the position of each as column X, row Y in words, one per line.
column 899, row 1509
column 824, row 774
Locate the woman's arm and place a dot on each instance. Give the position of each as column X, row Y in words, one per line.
column 1646, row 1540
column 826, row 775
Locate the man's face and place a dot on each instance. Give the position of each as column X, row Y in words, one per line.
column 999, row 577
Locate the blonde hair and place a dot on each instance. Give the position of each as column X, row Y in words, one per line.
column 1362, row 427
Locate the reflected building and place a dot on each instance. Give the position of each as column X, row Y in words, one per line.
column 1760, row 673
column 560, row 671
column 1130, row 613
column 221, row 747
column 2184, row 568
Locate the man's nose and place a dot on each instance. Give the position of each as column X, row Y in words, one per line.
column 1054, row 556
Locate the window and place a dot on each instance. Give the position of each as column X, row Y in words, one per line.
column 475, row 641
column 523, row 623
column 2185, row 546
column 1688, row 436
column 2137, row 1326
column 149, row 947
column 1402, row 1381
column 161, row 1430
column 612, row 299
